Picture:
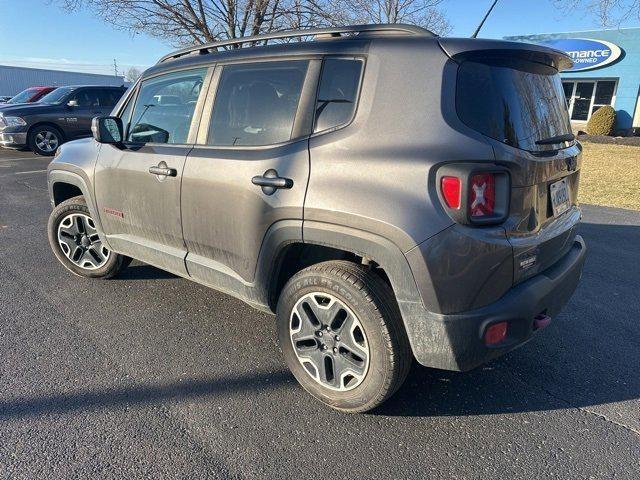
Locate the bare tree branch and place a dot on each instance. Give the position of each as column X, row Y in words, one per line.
column 186, row 22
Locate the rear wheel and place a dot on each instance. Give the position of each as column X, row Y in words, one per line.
column 76, row 244
column 342, row 336
column 44, row 140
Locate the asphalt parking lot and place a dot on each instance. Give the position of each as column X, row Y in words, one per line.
column 149, row 375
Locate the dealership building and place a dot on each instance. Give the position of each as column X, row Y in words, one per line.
column 606, row 71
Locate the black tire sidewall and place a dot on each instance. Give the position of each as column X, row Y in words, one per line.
column 41, row 128
column 77, row 205
column 375, row 383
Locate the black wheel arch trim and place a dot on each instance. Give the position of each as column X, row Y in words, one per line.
column 77, row 179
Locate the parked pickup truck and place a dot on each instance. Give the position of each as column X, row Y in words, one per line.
column 62, row 115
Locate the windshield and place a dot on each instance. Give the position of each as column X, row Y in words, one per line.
column 516, row 102
column 57, row 96
column 24, row 96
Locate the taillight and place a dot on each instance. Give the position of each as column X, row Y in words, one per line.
column 451, row 190
column 474, row 193
column 482, row 195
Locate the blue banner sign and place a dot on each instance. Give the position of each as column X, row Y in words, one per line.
column 586, row 53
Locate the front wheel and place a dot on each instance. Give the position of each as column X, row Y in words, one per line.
column 342, row 336
column 76, row 244
column 44, row 140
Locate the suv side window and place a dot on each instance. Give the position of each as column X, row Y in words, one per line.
column 164, row 107
column 256, row 104
column 338, row 93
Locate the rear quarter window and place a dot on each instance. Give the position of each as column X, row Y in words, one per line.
column 337, row 93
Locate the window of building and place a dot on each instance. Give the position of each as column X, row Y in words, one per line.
column 165, row 106
column 256, row 104
column 584, row 97
column 338, row 93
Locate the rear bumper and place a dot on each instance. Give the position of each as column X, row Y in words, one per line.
column 13, row 140
column 455, row 342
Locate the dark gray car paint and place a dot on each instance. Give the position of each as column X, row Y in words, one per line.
column 371, row 191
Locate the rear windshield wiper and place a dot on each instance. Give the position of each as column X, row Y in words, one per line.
column 567, row 137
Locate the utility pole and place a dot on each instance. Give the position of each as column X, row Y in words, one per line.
column 115, row 67
column 475, row 34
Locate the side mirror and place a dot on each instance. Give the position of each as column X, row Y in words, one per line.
column 72, row 103
column 107, row 130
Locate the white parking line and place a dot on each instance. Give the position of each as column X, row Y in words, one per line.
column 5, row 160
column 29, row 171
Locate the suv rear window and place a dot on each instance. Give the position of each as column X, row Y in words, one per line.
column 515, row 102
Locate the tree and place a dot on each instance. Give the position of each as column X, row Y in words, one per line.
column 610, row 13
column 424, row 13
column 187, row 22
column 132, row 74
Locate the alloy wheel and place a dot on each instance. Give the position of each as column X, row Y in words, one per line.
column 79, row 241
column 329, row 341
column 47, row 141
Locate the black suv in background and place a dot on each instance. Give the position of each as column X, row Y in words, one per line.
column 62, row 115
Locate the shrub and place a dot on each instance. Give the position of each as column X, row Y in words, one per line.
column 602, row 121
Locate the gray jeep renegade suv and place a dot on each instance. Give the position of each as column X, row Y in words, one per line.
column 388, row 194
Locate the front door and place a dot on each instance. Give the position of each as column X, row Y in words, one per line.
column 86, row 105
column 249, row 172
column 138, row 186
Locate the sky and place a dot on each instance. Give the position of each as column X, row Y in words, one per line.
column 39, row 34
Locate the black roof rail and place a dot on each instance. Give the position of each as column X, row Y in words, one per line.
column 313, row 32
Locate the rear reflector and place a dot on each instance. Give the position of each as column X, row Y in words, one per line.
column 482, row 195
column 496, row 333
column 450, row 187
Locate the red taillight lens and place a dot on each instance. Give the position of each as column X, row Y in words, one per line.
column 482, row 195
column 451, row 189
column 496, row 333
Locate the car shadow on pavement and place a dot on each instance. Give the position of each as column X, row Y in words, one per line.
column 141, row 394
column 141, row 271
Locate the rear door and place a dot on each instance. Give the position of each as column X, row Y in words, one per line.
column 248, row 173
column 138, row 186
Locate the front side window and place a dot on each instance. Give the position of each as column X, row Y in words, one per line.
column 256, row 104
column 164, row 108
column 86, row 98
column 338, row 93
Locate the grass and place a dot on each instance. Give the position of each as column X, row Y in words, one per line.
column 610, row 176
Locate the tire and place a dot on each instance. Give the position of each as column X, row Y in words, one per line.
column 369, row 351
column 83, row 253
column 44, row 140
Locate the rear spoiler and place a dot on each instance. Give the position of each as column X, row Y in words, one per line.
column 460, row 49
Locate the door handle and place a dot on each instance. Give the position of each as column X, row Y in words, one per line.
column 270, row 182
column 163, row 171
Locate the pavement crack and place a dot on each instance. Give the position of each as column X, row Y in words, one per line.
column 572, row 405
column 609, row 420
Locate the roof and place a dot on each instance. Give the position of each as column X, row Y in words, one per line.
column 314, row 33
column 324, row 43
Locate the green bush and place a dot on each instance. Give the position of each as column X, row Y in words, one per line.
column 602, row 121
